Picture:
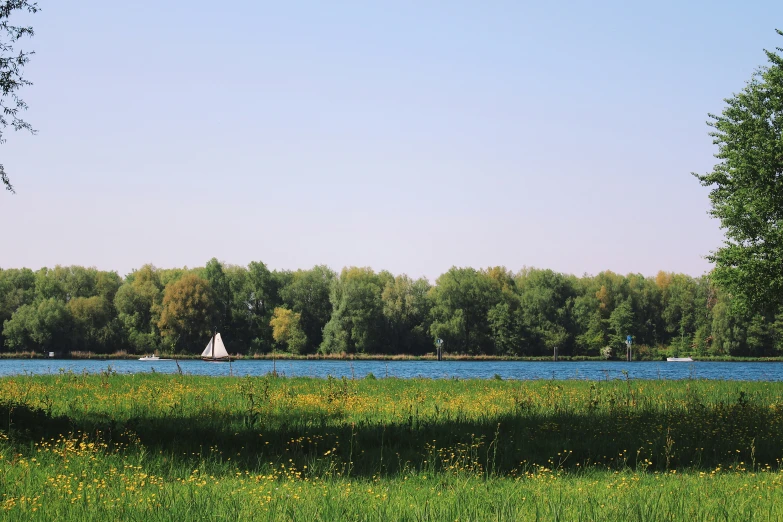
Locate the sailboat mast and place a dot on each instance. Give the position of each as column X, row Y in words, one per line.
column 214, row 334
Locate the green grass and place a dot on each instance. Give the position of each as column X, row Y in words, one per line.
column 180, row 447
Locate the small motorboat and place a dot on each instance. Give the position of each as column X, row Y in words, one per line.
column 152, row 357
column 679, row 359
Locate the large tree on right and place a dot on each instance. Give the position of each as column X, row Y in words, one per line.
column 747, row 190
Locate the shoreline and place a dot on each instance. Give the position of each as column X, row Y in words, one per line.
column 372, row 357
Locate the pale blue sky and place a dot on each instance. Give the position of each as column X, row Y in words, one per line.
column 407, row 136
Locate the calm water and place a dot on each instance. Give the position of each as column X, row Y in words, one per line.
column 756, row 371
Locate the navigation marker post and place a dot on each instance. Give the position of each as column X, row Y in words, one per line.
column 439, row 342
column 628, row 342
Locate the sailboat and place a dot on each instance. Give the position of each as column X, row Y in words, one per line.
column 215, row 350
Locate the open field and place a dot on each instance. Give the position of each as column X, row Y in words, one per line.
column 180, row 447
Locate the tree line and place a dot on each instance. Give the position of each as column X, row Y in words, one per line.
column 490, row 311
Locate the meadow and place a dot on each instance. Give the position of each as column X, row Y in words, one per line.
column 183, row 447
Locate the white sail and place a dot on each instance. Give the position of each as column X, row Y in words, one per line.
column 220, row 348
column 208, row 350
column 220, row 351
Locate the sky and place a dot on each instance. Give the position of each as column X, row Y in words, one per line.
column 408, row 136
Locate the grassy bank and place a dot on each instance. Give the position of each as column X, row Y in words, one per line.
column 177, row 447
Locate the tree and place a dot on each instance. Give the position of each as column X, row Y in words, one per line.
column 11, row 79
column 406, row 309
column 17, row 288
column 747, row 190
column 307, row 292
column 258, row 298
column 188, row 312
column 592, row 335
column 214, row 273
column 40, row 327
column 287, row 330
column 138, row 303
column 678, row 303
column 357, row 324
column 546, row 300
column 95, row 324
column 621, row 323
column 461, row 301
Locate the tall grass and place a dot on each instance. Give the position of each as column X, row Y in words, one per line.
column 165, row 447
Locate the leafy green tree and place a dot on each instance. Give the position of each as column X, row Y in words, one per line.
column 357, row 324
column 139, row 303
column 256, row 297
column 740, row 332
column 221, row 290
column 50, row 284
column 759, row 337
column 461, row 301
column 611, row 290
column 546, row 300
column 44, row 326
column 96, row 327
column 286, row 330
column 678, row 302
column 107, row 284
column 168, row 276
column 594, row 300
column 646, row 305
column 17, row 288
column 80, row 282
column 406, row 308
column 11, row 78
column 68, row 282
column 188, row 313
column 507, row 327
column 704, row 301
column 724, row 328
column 262, row 287
column 307, row 292
column 591, row 335
column 506, row 320
column 238, row 329
column 18, row 330
column 747, row 190
column 621, row 323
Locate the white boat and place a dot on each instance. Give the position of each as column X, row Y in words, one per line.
column 215, row 350
column 679, row 359
column 152, row 357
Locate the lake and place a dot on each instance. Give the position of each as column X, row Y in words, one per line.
column 520, row 370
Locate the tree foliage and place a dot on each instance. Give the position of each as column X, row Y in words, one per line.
column 12, row 62
column 188, row 312
column 43, row 326
column 286, row 329
column 307, row 292
column 491, row 311
column 357, row 322
column 138, row 303
column 406, row 311
column 462, row 299
column 747, row 190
